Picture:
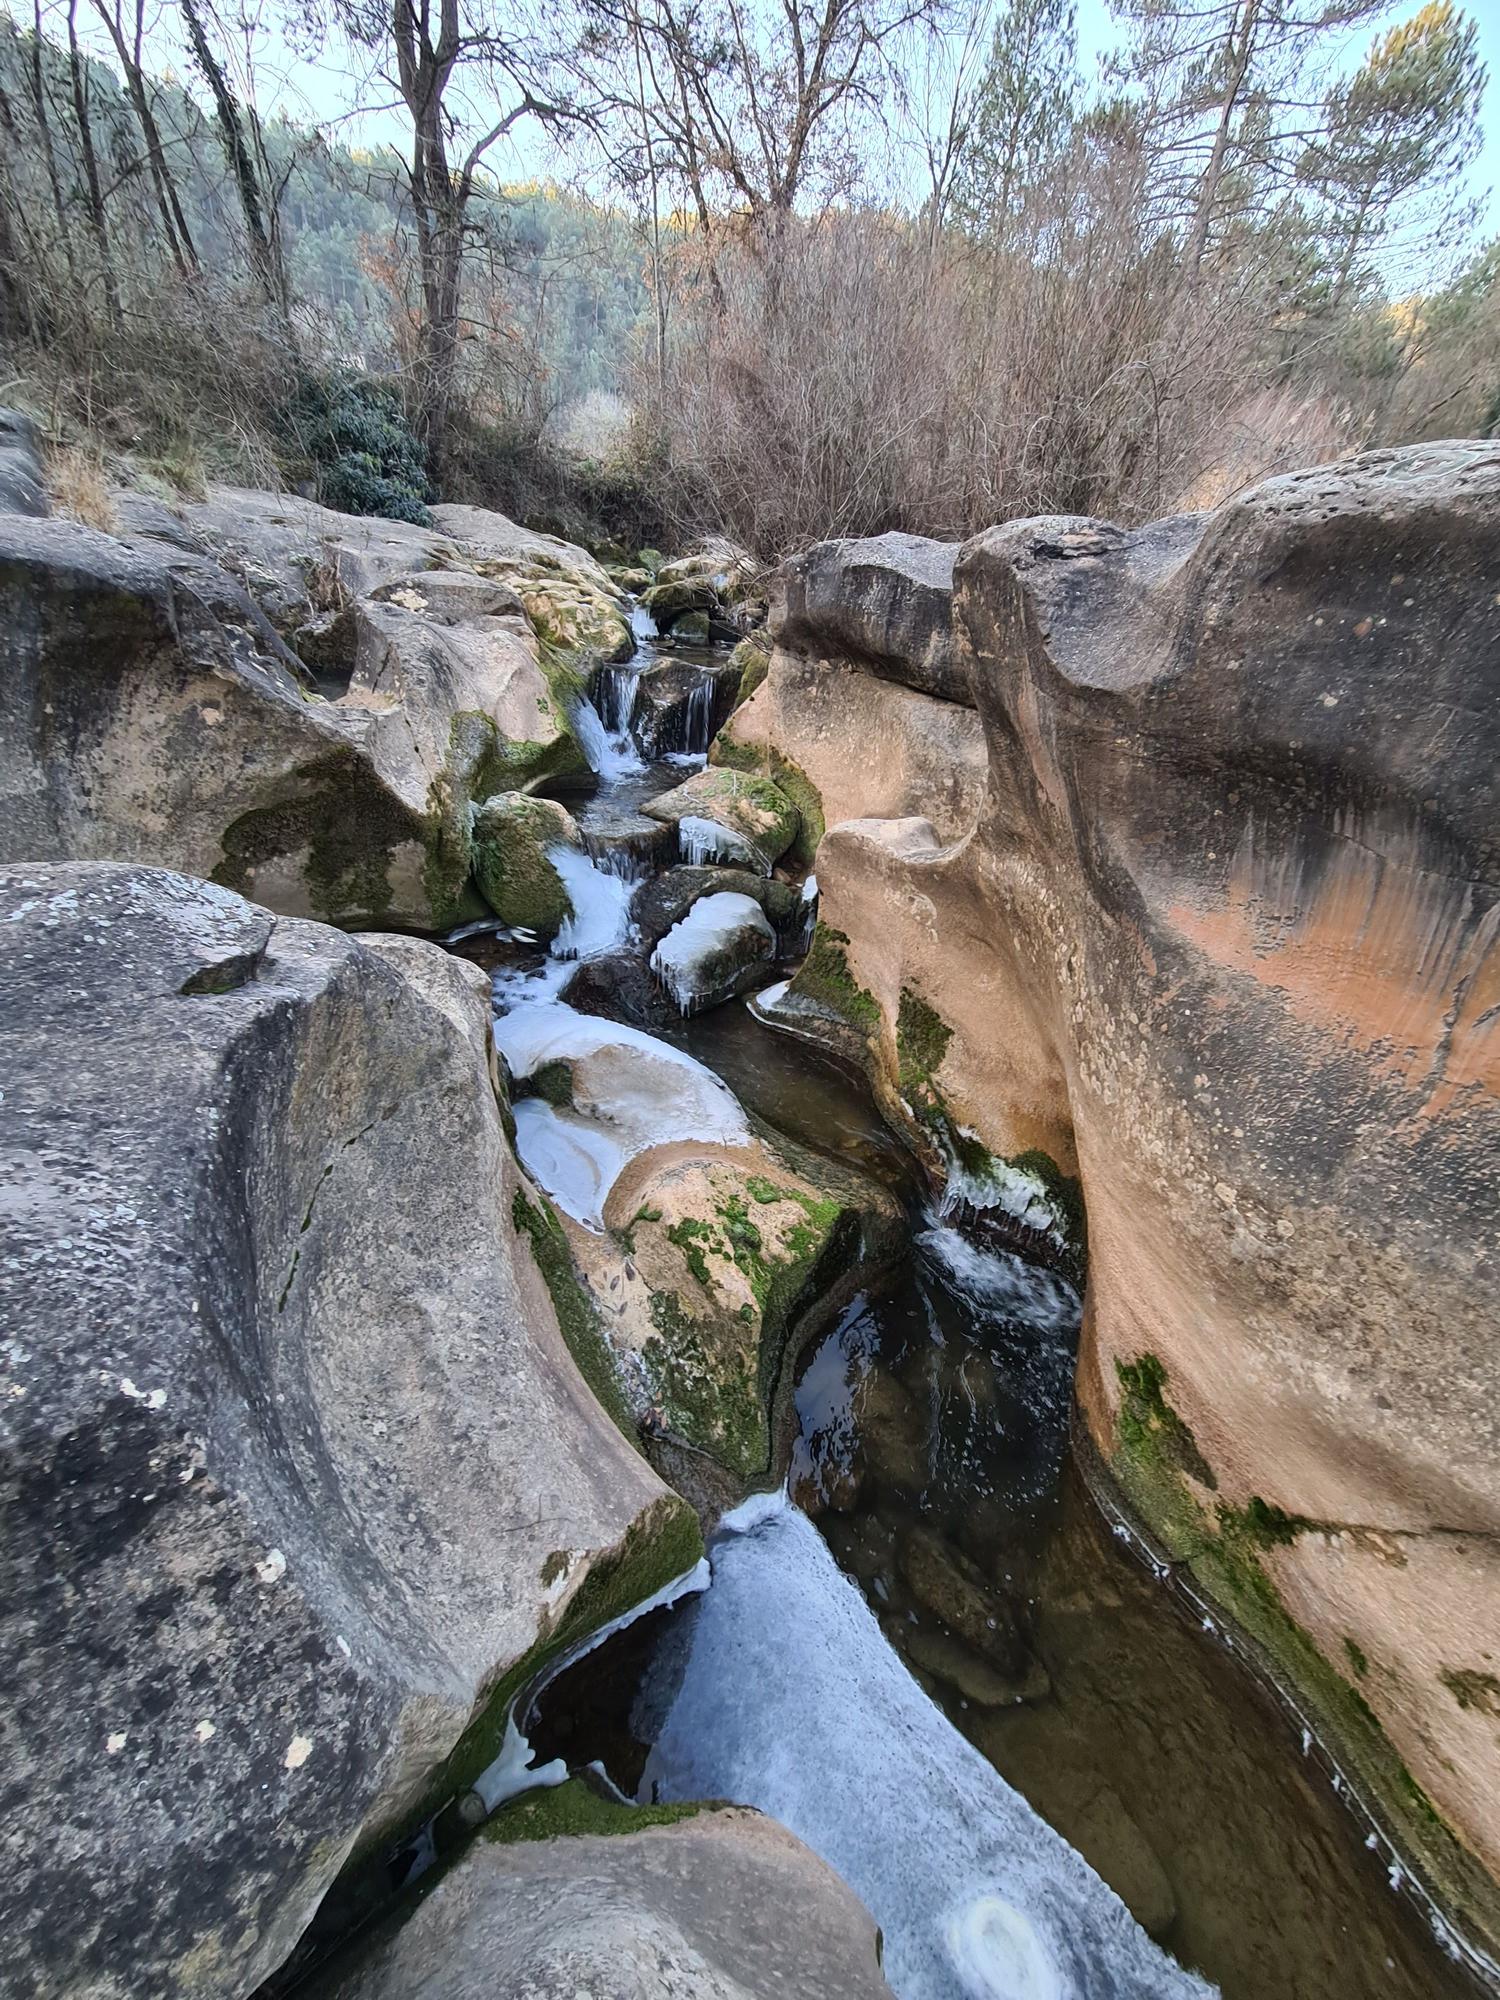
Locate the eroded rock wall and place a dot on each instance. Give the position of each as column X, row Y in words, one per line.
column 297, row 1473
column 1220, row 932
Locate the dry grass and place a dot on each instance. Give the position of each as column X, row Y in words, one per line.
column 80, row 486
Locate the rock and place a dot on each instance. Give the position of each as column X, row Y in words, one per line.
column 23, row 486
column 885, row 601
column 893, row 1432
column 956, row 1591
column 1221, row 937
column 650, row 560
column 693, row 628
column 722, row 1905
column 152, row 712
column 668, row 603
column 666, row 899
column 627, row 578
column 1112, row 1843
column 297, row 1470
column 680, row 708
column 729, row 816
column 720, row 948
column 973, row 1677
column 751, row 658
column 571, row 601
column 512, row 866
column 701, row 1249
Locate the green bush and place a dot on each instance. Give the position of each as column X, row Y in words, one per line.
column 356, row 434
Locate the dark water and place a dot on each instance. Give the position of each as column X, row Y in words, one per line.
column 932, row 1453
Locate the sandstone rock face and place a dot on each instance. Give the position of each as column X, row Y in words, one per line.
column 154, row 709
column 296, row 1466
column 883, row 600
column 1220, row 937
column 726, row 1905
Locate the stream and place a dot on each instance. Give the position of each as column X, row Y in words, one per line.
column 927, row 1653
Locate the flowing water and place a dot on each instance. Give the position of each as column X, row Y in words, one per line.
column 928, row 1654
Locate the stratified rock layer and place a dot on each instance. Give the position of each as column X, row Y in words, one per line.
column 1219, row 935
column 296, row 1469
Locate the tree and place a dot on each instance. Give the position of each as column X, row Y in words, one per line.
column 1398, row 136
column 265, row 252
column 442, row 55
column 1229, row 101
column 1022, row 112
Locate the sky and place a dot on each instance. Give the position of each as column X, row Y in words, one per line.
column 323, row 92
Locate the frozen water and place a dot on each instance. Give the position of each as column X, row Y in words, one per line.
column 785, row 1695
column 601, row 905
column 700, row 841
column 630, row 1092
column 612, row 756
column 682, row 958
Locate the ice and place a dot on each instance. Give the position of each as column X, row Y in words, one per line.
column 601, row 905
column 612, row 756
column 713, row 922
column 630, row 1092
column 785, row 1695
column 1012, row 1190
column 700, row 841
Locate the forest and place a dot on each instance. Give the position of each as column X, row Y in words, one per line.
column 780, row 271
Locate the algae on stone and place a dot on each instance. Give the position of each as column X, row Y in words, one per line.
column 512, row 835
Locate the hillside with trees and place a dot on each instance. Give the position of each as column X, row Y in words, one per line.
column 794, row 272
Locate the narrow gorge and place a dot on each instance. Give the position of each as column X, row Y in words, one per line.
column 733, row 1283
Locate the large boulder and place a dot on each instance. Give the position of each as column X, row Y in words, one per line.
column 152, row 711
column 731, row 816
column 571, row 601
column 514, row 841
column 299, row 1477
column 23, row 489
column 721, row 1905
column 702, row 1245
column 720, row 948
column 883, row 600
column 1223, row 942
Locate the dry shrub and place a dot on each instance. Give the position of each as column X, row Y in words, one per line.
column 80, row 486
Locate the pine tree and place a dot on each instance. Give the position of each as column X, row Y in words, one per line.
column 1023, row 111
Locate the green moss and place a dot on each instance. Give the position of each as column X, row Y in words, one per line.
column 1472, row 1689
column 709, row 1398
column 751, row 659
column 576, row 1313
column 825, row 979
column 346, row 824
column 552, row 1082
column 1225, row 1553
column 789, row 778
column 1357, row 1657
column 922, row 1037
column 561, row 1811
column 554, row 1567
column 626, row 1236
column 511, row 837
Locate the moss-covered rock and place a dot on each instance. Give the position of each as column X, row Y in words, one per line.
column 751, row 658
column 512, row 835
column 729, row 816
column 667, row 603
column 789, row 778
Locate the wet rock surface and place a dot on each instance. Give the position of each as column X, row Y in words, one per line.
column 725, row 1905
column 296, row 1463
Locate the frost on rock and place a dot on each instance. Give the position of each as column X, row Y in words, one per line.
column 601, row 905
column 702, row 957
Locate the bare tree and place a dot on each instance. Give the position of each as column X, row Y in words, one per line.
column 128, row 47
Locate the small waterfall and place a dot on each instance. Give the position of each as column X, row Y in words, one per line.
column 613, row 694
column 609, row 756
column 801, row 944
column 698, row 717
column 634, row 848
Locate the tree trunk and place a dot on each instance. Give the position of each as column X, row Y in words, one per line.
column 174, row 224
column 241, row 165
column 97, row 222
column 1213, row 174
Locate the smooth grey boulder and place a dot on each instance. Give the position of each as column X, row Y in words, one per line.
column 23, row 489
column 726, row 1905
column 884, row 601
column 294, row 1463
